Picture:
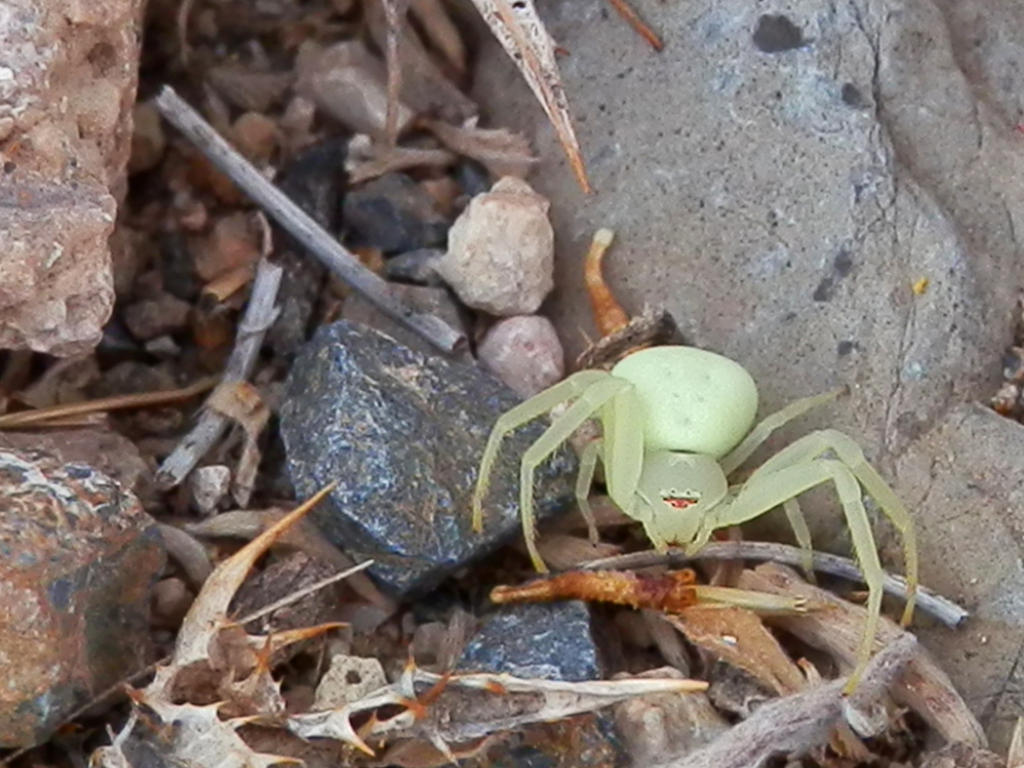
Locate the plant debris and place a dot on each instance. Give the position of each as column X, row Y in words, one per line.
column 523, row 35
column 796, row 724
column 213, row 654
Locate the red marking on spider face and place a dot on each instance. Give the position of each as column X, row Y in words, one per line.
column 679, row 502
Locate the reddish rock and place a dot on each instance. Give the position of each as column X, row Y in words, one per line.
column 104, row 450
column 77, row 558
column 524, row 352
column 256, row 136
column 67, row 85
column 56, row 289
column 148, row 140
column 233, row 243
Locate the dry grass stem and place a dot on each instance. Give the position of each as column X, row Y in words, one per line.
column 57, row 415
column 796, row 724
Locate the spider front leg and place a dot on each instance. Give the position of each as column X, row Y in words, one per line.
column 766, row 490
column 625, row 486
column 846, row 449
column 589, row 402
column 585, row 479
column 526, row 411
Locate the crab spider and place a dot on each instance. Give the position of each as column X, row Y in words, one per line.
column 677, row 421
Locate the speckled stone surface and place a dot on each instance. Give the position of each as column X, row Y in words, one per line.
column 77, row 558
column 402, row 434
column 549, row 641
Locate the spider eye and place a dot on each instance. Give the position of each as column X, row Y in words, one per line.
column 680, row 499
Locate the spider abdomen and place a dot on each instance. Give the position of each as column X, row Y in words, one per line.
column 692, row 400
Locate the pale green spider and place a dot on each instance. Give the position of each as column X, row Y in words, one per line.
column 676, row 422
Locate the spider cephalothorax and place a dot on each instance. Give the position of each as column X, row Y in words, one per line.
column 677, row 421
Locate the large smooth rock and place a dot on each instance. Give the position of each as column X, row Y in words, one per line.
column 402, row 433
column 780, row 179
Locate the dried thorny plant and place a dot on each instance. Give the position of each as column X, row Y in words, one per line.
column 221, row 678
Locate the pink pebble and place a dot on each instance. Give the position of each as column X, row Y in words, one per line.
column 524, row 352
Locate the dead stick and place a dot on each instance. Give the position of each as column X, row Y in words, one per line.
column 943, row 609
column 259, row 315
column 802, row 721
column 301, row 226
column 838, row 631
column 115, row 403
column 394, row 13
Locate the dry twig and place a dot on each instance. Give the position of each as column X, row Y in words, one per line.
column 187, row 553
column 259, row 315
column 795, row 724
column 305, row 591
column 946, row 611
column 304, row 536
column 372, row 160
column 394, row 14
column 300, row 225
column 57, row 415
column 1015, row 757
column 923, row 687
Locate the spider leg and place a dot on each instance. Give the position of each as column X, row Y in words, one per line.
column 585, row 406
column 585, row 478
column 623, row 448
column 767, row 491
column 526, row 411
column 763, row 429
column 798, row 523
column 848, row 452
column 659, row 542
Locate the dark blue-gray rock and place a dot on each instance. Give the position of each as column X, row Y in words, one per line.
column 402, row 434
column 314, row 180
column 117, row 344
column 177, row 266
column 472, row 177
column 551, row 641
column 431, row 300
column 415, row 267
column 393, row 213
